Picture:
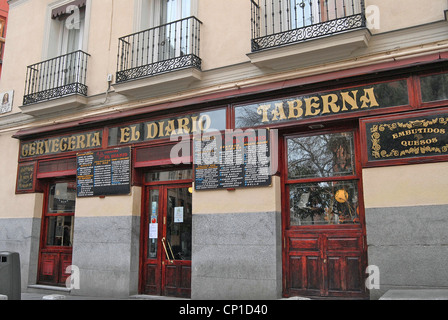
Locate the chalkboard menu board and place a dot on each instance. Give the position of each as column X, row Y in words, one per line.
column 407, row 137
column 105, row 172
column 232, row 161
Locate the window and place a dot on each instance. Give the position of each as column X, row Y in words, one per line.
column 181, row 174
column 170, row 38
column 66, row 30
column 71, row 31
column 434, row 87
column 2, row 37
column 60, row 214
column 154, row 13
column 172, row 10
column 64, row 63
column 322, row 180
column 279, row 22
column 303, row 13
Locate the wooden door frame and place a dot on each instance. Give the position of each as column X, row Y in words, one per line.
column 144, row 235
column 43, row 247
column 165, row 260
column 161, row 259
column 320, row 231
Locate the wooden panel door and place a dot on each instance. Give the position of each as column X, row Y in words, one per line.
column 176, row 263
column 325, row 264
column 166, row 254
column 303, row 265
column 344, row 264
column 323, row 223
column 151, row 266
column 57, row 233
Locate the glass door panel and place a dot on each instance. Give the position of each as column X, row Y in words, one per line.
column 153, row 232
column 57, row 236
column 178, row 227
column 166, row 265
column 324, row 250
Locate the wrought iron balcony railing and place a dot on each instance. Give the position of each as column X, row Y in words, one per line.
column 165, row 48
column 56, row 78
column 280, row 22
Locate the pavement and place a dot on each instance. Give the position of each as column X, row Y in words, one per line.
column 401, row 294
column 416, row 294
column 63, row 296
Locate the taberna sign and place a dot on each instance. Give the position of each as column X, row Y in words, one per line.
column 296, row 108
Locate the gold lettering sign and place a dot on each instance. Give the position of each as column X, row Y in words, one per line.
column 422, row 136
column 75, row 142
column 165, row 128
column 25, row 177
column 318, row 105
column 322, row 104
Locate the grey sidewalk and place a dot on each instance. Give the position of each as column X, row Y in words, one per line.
column 63, row 296
column 403, row 294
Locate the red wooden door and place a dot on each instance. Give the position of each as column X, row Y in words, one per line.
column 323, row 223
column 166, row 254
column 57, row 233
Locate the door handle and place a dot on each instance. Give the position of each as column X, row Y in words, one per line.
column 171, row 250
column 166, row 251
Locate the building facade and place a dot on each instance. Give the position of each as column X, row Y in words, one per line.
column 115, row 137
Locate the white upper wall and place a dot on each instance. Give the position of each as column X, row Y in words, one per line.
column 225, row 34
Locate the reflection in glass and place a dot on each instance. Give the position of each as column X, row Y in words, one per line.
column 153, row 223
column 159, row 129
column 388, row 94
column 60, row 231
column 325, row 155
column 168, row 175
column 434, row 87
column 178, row 230
column 62, row 197
column 324, row 203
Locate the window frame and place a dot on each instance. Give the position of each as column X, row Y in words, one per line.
column 54, row 29
column 46, row 215
column 356, row 178
column 147, row 13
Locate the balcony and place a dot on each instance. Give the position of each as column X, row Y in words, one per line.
column 150, row 59
column 56, row 84
column 300, row 30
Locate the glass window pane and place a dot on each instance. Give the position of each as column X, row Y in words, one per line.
column 435, row 87
column 153, row 223
column 380, row 95
column 168, row 175
column 324, row 203
column 60, row 231
column 326, row 155
column 62, row 198
column 178, row 230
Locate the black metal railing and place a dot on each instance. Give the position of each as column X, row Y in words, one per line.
column 56, row 78
column 165, row 48
column 279, row 22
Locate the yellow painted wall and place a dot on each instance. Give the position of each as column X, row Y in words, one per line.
column 225, row 32
column 401, row 14
column 410, row 185
column 257, row 199
column 19, row 51
column 110, row 206
column 110, row 20
column 12, row 205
